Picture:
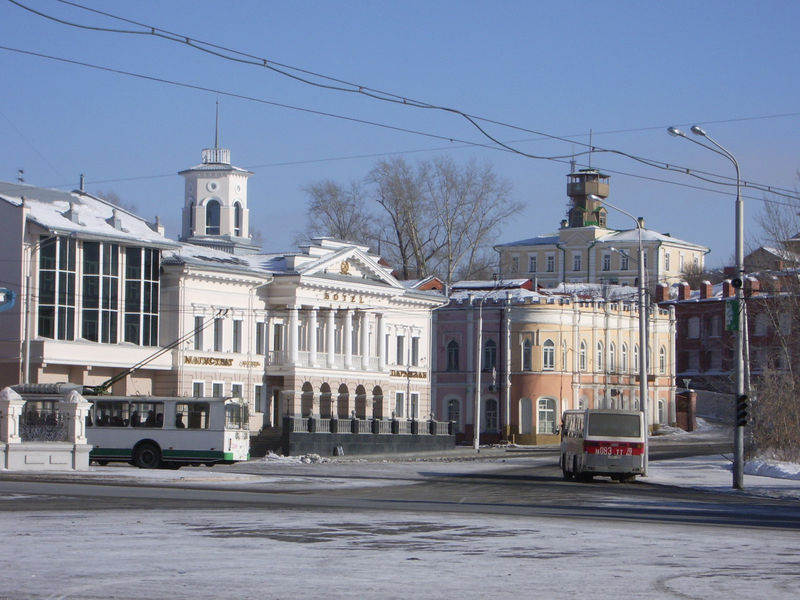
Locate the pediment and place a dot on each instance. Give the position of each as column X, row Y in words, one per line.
column 349, row 264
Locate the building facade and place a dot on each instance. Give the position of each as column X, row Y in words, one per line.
column 541, row 353
column 585, row 250
column 106, row 300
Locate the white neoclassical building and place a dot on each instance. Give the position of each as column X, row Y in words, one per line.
column 105, row 299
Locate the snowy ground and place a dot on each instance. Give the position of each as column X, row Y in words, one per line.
column 183, row 554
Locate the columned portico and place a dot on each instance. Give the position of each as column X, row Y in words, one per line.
column 330, row 338
column 364, row 328
column 381, row 342
column 312, row 342
column 293, row 333
column 347, row 334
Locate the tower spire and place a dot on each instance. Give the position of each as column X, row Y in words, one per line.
column 216, row 128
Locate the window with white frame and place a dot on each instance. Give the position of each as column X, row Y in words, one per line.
column 237, row 390
column 218, row 334
column 550, row 260
column 57, row 278
column 414, row 351
column 624, row 358
column 237, row 335
column 582, row 356
column 452, row 355
column 414, row 401
column 217, row 389
column 401, row 352
column 515, row 264
column 532, row 264
column 258, row 397
column 527, row 355
column 599, row 361
column 612, row 357
column 666, row 261
column 624, row 261
column 576, row 261
column 399, row 404
column 546, row 416
column 198, row 389
column 548, row 355
column 489, row 355
column 606, row 262
column 198, row 333
column 564, row 365
column 662, row 360
column 261, row 338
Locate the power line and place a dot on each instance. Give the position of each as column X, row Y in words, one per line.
column 345, row 86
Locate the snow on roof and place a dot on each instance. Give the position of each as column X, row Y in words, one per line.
column 203, row 256
column 82, row 214
column 540, row 240
column 648, row 235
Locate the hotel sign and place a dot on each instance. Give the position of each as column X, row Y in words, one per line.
column 408, row 374
column 213, row 361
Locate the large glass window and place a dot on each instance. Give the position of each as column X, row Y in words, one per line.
column 57, row 288
column 141, row 296
column 100, row 292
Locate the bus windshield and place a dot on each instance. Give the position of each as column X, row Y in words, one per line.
column 614, row 425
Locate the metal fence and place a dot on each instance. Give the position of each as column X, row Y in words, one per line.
column 41, row 421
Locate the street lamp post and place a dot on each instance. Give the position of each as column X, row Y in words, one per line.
column 738, row 435
column 643, row 393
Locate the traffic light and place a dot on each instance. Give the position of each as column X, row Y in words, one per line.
column 742, row 408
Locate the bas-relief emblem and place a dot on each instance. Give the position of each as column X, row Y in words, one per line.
column 344, row 268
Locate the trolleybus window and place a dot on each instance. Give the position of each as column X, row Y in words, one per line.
column 236, row 416
column 192, row 415
column 147, row 414
column 110, row 414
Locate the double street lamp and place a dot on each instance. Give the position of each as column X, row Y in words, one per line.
column 738, row 281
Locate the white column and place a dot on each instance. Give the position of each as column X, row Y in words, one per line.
column 292, row 339
column 348, row 338
column 364, row 325
column 312, row 342
column 381, row 342
column 330, row 340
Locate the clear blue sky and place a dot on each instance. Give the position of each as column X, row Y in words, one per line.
column 625, row 70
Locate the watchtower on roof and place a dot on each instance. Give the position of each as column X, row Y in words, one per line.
column 586, row 189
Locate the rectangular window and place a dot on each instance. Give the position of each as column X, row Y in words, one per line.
column 192, row 415
column 551, row 263
column 198, row 389
column 401, row 354
column 57, row 288
column 100, row 292
column 576, row 262
column 218, row 334
column 237, row 391
column 415, row 351
column 198, row 333
column 217, row 389
column 237, row 336
column 258, row 397
column 261, row 338
column 606, row 262
column 277, row 337
column 399, row 403
column 532, row 264
column 414, row 397
column 141, row 296
column 666, row 261
column 624, row 262
column 515, row 264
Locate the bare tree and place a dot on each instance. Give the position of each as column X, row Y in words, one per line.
column 338, row 212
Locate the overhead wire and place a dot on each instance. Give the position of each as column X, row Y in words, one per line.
column 345, row 86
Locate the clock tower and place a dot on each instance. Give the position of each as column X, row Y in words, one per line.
column 215, row 210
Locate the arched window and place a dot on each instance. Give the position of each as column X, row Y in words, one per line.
column 582, row 356
column 490, row 412
column 452, row 356
column 624, row 358
column 489, row 355
column 662, row 360
column 191, row 216
column 546, row 413
column 636, row 357
column 237, row 219
column 612, row 357
column 564, row 365
column 454, row 412
column 212, row 218
column 599, row 362
column 527, row 357
column 662, row 412
column 548, row 355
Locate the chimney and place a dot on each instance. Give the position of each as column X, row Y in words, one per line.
column 706, row 290
column 641, row 222
column 662, row 293
column 752, row 286
column 728, row 291
column 684, row 291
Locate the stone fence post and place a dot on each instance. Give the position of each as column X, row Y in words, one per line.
column 11, row 404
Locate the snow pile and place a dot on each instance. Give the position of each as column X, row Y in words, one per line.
column 772, row 468
column 305, row 459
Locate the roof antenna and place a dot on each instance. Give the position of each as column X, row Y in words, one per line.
column 21, row 175
column 216, row 129
column 590, row 148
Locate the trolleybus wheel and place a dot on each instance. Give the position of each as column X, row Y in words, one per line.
column 147, row 456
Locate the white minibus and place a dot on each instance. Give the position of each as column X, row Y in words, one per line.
column 602, row 442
